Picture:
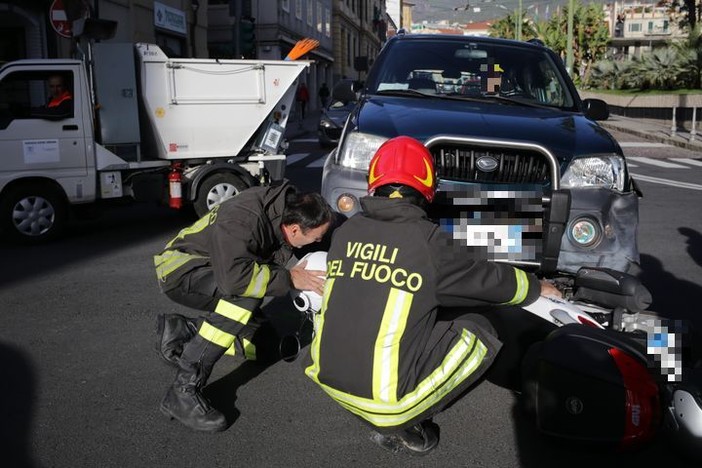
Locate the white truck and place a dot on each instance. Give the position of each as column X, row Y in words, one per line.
column 143, row 125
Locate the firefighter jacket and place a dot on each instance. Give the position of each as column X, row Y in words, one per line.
column 379, row 350
column 241, row 240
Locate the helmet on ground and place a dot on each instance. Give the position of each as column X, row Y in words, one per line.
column 403, row 161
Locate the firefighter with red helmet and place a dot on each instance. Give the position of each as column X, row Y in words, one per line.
column 380, row 350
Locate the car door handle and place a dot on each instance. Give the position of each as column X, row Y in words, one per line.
column 70, row 127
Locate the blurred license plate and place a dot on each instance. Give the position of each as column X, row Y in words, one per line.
column 504, row 224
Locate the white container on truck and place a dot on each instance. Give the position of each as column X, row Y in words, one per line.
column 139, row 125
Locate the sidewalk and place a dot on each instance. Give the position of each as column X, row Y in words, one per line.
column 655, row 130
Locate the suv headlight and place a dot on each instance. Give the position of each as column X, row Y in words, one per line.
column 358, row 149
column 597, row 171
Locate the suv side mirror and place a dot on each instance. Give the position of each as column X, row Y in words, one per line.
column 595, row 109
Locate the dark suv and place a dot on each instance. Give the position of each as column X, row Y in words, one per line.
column 526, row 174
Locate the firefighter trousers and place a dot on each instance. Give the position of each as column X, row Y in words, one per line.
column 233, row 322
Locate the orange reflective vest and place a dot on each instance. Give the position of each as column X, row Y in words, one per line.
column 57, row 101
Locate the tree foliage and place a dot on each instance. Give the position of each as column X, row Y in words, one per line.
column 506, row 27
column 590, row 34
column 678, row 65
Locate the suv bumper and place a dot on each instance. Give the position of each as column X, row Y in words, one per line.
column 612, row 215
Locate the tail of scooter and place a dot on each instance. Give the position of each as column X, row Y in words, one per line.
column 612, row 372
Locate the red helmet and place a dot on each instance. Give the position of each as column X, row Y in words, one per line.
column 403, row 160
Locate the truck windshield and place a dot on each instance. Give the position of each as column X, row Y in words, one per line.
column 471, row 69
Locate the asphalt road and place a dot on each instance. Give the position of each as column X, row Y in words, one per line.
column 81, row 383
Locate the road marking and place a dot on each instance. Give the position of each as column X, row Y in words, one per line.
column 672, row 183
column 642, row 144
column 296, row 157
column 300, row 158
column 692, row 162
column 317, row 163
column 632, row 165
column 657, row 162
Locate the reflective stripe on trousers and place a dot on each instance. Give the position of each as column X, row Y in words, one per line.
column 230, row 317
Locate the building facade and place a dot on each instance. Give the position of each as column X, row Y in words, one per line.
column 639, row 27
column 359, row 30
column 42, row 28
column 278, row 26
column 350, row 32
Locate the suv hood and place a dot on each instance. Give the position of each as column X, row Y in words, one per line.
column 566, row 134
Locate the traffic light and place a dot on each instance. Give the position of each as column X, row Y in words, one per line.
column 247, row 37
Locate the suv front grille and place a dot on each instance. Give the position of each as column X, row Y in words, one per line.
column 516, row 166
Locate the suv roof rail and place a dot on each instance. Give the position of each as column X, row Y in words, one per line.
column 537, row 41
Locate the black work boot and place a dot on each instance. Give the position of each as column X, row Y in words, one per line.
column 419, row 439
column 172, row 332
column 184, row 400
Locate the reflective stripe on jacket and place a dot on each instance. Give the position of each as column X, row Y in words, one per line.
column 240, row 240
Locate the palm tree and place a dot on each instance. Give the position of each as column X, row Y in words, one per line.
column 662, row 69
column 504, row 27
column 609, row 74
column 690, row 51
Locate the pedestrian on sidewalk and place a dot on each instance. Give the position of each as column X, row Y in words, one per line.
column 303, row 97
column 224, row 265
column 323, row 95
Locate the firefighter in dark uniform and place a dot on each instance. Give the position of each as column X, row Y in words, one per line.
column 225, row 264
column 379, row 350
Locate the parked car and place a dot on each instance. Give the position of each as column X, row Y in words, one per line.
column 526, row 174
column 333, row 117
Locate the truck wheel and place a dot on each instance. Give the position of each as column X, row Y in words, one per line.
column 215, row 189
column 33, row 213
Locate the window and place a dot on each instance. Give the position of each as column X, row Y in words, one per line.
column 634, row 27
column 449, row 68
column 36, row 95
column 298, row 9
column 285, row 4
column 327, row 22
column 320, row 18
column 310, row 13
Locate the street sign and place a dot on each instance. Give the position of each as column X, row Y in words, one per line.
column 59, row 19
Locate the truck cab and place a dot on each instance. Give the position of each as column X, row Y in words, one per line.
column 47, row 151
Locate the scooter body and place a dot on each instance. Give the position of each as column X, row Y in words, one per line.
column 607, row 349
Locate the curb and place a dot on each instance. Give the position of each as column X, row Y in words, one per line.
column 647, row 135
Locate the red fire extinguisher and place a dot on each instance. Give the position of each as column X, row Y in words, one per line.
column 175, row 189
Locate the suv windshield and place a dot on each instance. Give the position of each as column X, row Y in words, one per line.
column 472, row 70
